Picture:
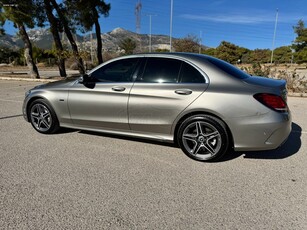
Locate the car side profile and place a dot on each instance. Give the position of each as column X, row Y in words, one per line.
column 204, row 104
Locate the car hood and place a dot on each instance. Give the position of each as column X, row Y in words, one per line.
column 266, row 82
column 57, row 84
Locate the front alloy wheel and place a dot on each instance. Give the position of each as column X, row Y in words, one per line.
column 203, row 138
column 42, row 117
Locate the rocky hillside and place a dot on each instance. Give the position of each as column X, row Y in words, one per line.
column 42, row 38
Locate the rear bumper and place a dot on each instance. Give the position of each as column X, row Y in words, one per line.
column 264, row 132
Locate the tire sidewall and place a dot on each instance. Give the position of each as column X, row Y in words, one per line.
column 54, row 122
column 218, row 125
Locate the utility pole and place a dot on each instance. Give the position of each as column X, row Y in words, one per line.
column 150, row 20
column 200, row 41
column 273, row 45
column 292, row 51
column 138, row 8
column 171, row 27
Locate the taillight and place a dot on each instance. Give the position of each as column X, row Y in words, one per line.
column 272, row 101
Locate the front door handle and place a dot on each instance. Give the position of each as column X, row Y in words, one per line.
column 118, row 88
column 183, row 91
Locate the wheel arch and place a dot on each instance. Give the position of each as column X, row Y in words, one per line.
column 34, row 98
column 193, row 113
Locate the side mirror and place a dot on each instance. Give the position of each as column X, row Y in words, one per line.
column 83, row 79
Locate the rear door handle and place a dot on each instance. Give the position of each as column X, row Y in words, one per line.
column 118, row 88
column 183, row 91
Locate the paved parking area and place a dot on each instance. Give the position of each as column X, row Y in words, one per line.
column 81, row 180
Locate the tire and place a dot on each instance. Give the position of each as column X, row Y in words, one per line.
column 203, row 138
column 43, row 117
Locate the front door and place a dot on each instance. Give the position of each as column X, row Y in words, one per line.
column 101, row 103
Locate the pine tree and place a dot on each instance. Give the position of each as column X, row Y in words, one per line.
column 86, row 15
column 22, row 14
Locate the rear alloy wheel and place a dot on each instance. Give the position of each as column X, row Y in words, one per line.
column 203, row 138
column 42, row 117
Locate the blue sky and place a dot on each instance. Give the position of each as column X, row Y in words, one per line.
column 245, row 23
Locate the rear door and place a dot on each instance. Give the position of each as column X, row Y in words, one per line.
column 161, row 92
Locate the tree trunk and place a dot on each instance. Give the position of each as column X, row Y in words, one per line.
column 56, row 37
column 99, row 42
column 98, row 37
column 28, row 52
column 70, row 37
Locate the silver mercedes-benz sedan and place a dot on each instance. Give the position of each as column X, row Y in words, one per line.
column 204, row 104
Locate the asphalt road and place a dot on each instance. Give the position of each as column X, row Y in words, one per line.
column 81, row 180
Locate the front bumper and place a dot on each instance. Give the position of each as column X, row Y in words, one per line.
column 24, row 108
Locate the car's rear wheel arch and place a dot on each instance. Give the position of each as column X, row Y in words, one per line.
column 203, row 136
column 202, row 113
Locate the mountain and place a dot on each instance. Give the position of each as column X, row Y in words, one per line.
column 42, row 38
column 10, row 42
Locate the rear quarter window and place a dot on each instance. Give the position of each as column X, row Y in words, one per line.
column 228, row 68
column 189, row 74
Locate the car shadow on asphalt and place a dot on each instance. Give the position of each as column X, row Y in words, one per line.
column 289, row 148
column 13, row 116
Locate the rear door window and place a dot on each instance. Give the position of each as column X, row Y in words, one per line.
column 161, row 70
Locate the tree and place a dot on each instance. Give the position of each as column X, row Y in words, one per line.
column 300, row 43
column 7, row 55
column 260, row 56
column 22, row 15
column 86, row 14
column 301, row 40
column 2, row 20
column 230, row 52
column 161, row 50
column 68, row 31
column 55, row 27
column 283, row 54
column 128, row 45
column 188, row 44
column 210, row 52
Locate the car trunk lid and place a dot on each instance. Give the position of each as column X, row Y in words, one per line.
column 279, row 86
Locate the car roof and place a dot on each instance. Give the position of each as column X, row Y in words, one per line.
column 172, row 55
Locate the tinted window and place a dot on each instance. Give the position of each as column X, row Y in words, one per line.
column 117, row 71
column 228, row 68
column 189, row 74
column 161, row 70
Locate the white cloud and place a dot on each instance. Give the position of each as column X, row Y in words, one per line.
column 241, row 18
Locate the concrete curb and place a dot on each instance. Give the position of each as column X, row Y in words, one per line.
column 27, row 79
column 297, row 94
